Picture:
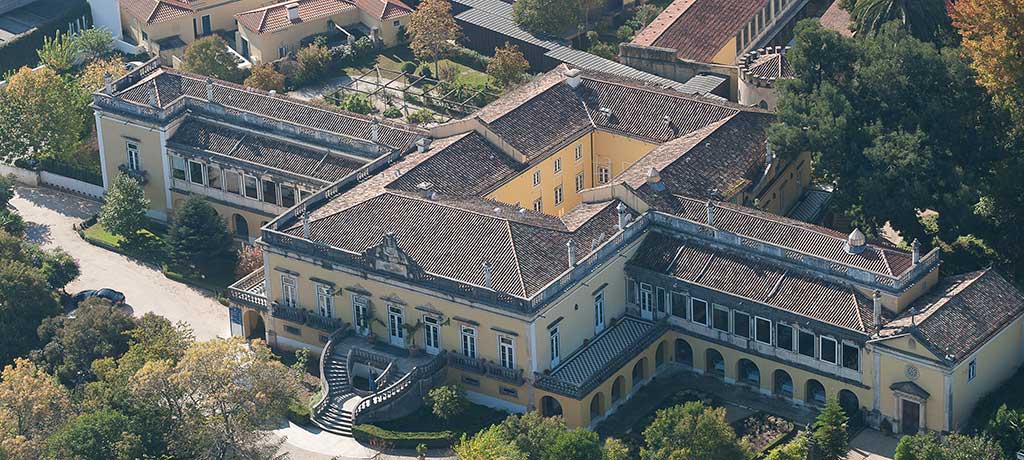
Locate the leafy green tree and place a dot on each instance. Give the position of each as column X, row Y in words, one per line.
column 58, row 53
column 124, row 207
column 42, row 114
column 199, row 240
column 576, row 444
column 447, row 402
column 797, row 449
column 615, row 450
column 25, row 300
column 926, row 446
column 490, row 444
column 93, row 77
column 925, row 19
column 433, row 31
column 72, row 343
column 992, row 34
column 508, row 67
column 210, row 56
column 32, row 407
column 646, row 14
column 101, row 435
column 829, row 431
column 59, row 267
column 357, row 103
column 692, row 430
column 93, row 43
column 547, row 17
column 266, row 78
column 314, row 61
column 6, row 189
column 1007, row 429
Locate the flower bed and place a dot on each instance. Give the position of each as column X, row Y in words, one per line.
column 763, row 431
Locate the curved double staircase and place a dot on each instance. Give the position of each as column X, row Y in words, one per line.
column 399, row 389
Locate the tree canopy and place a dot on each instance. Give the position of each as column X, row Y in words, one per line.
column 547, row 17
column 41, row 113
column 433, row 31
column 199, row 240
column 829, row 431
column 925, row 446
column 508, row 67
column 124, row 207
column 71, row 343
column 925, row 19
column 992, row 34
column 209, row 56
column 692, row 430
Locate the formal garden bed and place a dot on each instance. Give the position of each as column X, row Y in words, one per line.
column 421, row 427
column 764, row 432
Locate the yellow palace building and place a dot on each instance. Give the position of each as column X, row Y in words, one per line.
column 559, row 248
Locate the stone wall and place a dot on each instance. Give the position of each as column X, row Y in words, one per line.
column 664, row 63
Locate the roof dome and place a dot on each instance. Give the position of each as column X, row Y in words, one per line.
column 856, row 241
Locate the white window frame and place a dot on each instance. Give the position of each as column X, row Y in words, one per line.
column 821, row 349
column 599, row 311
column 202, row 173
column 693, row 308
column 555, row 342
column 184, row 167
column 469, row 342
column 435, row 321
column 558, row 165
column 728, row 318
column 506, row 352
column 578, row 152
column 736, row 324
column 244, row 190
column 289, row 290
column 360, row 322
column 538, row 204
column 325, row 300
column 645, row 296
column 603, row 174
column 536, row 178
column 580, row 181
column 559, row 195
column 134, row 155
column 972, row 369
column 793, row 337
column 770, row 332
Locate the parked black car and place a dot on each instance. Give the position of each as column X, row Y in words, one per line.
column 110, row 295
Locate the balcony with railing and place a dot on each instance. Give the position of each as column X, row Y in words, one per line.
column 484, row 367
column 140, row 175
column 250, row 291
column 306, row 317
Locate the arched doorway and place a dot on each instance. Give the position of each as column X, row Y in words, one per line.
column 684, row 354
column 850, row 405
column 715, row 363
column 748, row 373
column 241, row 226
column 659, row 355
column 550, row 407
column 253, row 325
column 639, row 371
column 596, row 407
column 783, row 384
column 815, row 393
column 618, row 387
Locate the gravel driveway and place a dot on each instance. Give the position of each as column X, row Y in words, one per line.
column 50, row 214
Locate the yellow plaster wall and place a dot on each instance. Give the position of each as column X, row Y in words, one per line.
column 620, row 151
column 996, row 361
column 893, row 369
column 490, row 387
column 116, row 133
column 263, row 47
column 726, row 55
column 521, row 189
column 253, row 219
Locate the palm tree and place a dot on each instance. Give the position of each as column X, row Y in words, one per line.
column 923, row 18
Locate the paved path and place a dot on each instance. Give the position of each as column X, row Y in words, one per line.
column 50, row 215
column 872, row 445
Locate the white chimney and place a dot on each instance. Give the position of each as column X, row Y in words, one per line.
column 375, row 130
column 711, row 213
column 621, row 208
column 293, row 11
column 522, row 212
column 272, row 92
column 209, row 89
column 425, row 190
column 305, row 224
column 152, row 94
column 570, row 247
column 573, row 78
column 916, row 254
column 108, row 83
column 878, row 308
column 423, row 145
column 488, row 273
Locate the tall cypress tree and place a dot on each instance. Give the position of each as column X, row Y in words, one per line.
column 199, row 240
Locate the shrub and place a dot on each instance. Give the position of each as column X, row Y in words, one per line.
column 362, row 47
column 392, row 112
column 266, row 78
column 209, row 56
column 357, row 103
column 425, row 72
column 409, row 67
column 402, row 439
column 625, row 33
column 469, row 58
column 605, row 50
column 94, row 43
column 314, row 60
column 421, row 116
column 447, row 402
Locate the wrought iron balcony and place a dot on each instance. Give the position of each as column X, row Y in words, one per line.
column 488, row 368
column 306, row 317
column 140, row 175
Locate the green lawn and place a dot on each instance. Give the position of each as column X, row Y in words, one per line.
column 393, row 58
column 476, row 418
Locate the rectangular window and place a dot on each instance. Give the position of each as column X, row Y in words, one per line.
column 213, row 176
column 741, row 324
column 645, row 297
column 558, row 165
column 662, row 298
column 784, row 337
column 555, row 347
column 233, row 182
column 579, row 182
column 325, row 300
column 397, row 23
column 851, row 357
column 972, row 370
column 679, row 305
column 269, row 191
column 807, row 344
column 603, row 174
column 282, row 52
column 631, row 296
column 469, row 342
column 507, row 352
column 195, row 173
column 293, row 330
column 538, row 205
column 578, row 152
column 132, row 149
column 510, row 392
column 599, row 311
column 699, row 310
column 828, row 350
column 470, row 381
column 287, row 196
column 720, row 318
column 288, row 290
column 252, row 187
column 558, row 195
column 178, row 167
column 536, row 178
column 762, row 330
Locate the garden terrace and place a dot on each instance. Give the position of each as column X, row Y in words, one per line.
column 439, row 95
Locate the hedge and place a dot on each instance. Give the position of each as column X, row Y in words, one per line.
column 22, row 52
column 401, row 439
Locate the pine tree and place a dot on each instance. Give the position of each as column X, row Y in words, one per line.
column 198, row 239
column 124, row 207
column 830, row 431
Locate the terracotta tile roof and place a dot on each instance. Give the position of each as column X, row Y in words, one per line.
column 468, row 166
column 960, row 314
column 262, row 150
column 800, row 236
column 588, row 367
column 755, row 279
column 156, row 11
column 698, row 29
column 383, row 9
column 837, row 19
column 770, row 65
column 275, row 17
column 171, row 84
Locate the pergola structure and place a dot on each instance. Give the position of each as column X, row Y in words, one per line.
column 433, row 93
